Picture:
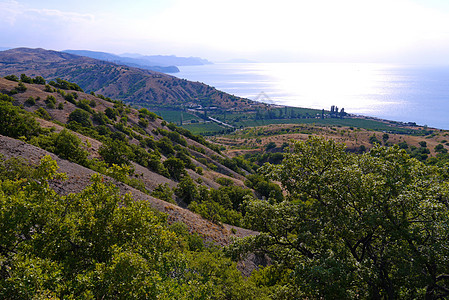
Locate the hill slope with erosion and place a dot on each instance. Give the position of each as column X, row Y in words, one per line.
column 137, row 86
column 53, row 111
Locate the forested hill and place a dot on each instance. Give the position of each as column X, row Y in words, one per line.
column 133, row 85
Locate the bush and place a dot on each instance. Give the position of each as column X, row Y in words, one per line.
column 68, row 146
column 111, row 113
column 115, row 152
column 82, row 117
column 165, row 146
column 143, row 123
column 21, row 87
column 187, row 190
column 175, row 167
column 12, row 78
column 42, row 113
column 25, row 78
column 15, row 122
column 30, row 101
column 39, row 80
column 164, row 192
column 84, row 104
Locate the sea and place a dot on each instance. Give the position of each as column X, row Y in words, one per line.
column 406, row 93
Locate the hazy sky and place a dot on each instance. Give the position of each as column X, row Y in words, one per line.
column 414, row 31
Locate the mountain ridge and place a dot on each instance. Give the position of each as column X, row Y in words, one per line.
column 127, row 61
column 134, row 85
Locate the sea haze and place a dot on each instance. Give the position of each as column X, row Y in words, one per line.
column 407, row 93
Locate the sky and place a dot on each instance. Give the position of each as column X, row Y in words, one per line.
column 401, row 31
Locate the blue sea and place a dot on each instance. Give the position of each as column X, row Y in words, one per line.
column 407, row 93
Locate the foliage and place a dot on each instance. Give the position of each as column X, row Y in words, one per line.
column 186, row 190
column 15, row 122
column 115, row 152
column 12, row 77
column 65, row 85
column 97, row 244
column 264, row 188
column 64, row 144
column 165, row 146
column 30, row 101
column 42, row 113
column 175, row 167
column 163, row 192
column 81, row 117
column 374, row 225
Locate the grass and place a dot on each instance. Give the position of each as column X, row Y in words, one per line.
column 359, row 123
column 174, row 116
column 204, row 128
column 242, row 120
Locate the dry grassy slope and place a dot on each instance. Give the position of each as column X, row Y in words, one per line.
column 240, row 143
column 78, row 179
column 150, row 178
column 115, row 81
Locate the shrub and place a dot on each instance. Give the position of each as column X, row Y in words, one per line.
column 12, row 78
column 68, row 146
column 30, row 101
column 15, row 122
column 81, row 117
column 164, row 192
column 115, row 152
column 175, row 167
column 42, row 113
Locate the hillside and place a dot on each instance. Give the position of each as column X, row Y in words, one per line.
column 144, row 61
column 138, row 86
column 136, row 130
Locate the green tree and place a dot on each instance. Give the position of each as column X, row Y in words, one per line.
column 175, row 167
column 16, row 122
column 80, row 116
column 39, row 80
column 373, row 140
column 25, row 78
column 164, row 192
column 187, row 190
column 355, row 226
column 440, row 148
column 68, row 146
column 12, row 77
column 115, row 152
column 385, row 138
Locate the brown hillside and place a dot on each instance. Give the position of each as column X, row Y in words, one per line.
column 150, row 178
column 78, row 179
column 138, row 86
column 242, row 142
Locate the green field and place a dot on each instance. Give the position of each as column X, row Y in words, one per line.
column 242, row 120
column 209, row 128
column 174, row 116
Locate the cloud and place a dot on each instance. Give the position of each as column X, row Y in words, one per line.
column 9, row 10
column 61, row 15
column 327, row 28
column 216, row 29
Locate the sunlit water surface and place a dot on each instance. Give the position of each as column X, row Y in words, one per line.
column 396, row 92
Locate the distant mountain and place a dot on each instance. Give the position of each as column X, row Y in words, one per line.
column 127, row 61
column 166, row 60
column 133, row 85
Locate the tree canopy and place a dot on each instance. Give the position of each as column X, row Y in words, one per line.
column 98, row 244
column 374, row 225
